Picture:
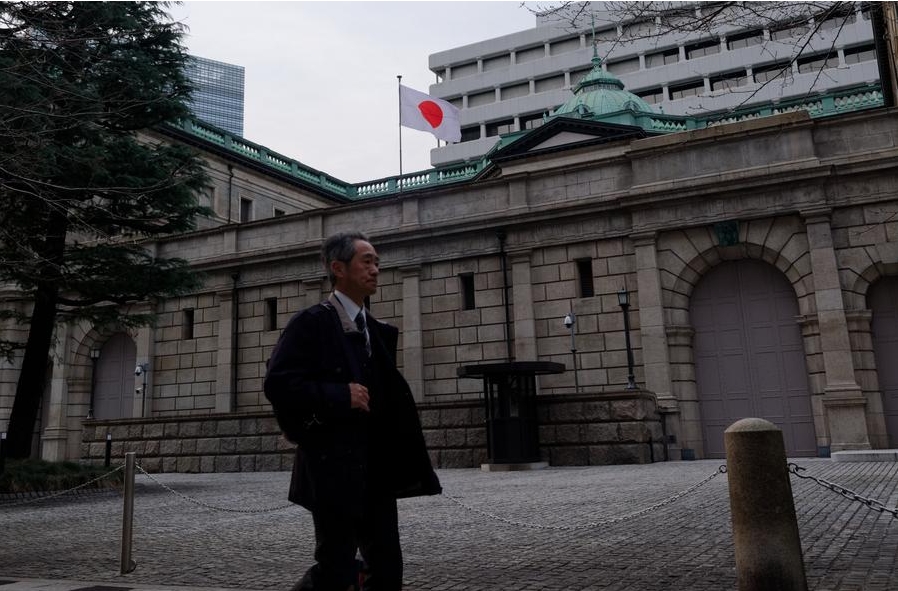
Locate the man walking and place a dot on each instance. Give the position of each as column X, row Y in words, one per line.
column 336, row 392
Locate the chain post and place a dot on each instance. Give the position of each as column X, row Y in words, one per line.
column 2, row 452
column 128, row 565
column 765, row 527
column 108, row 458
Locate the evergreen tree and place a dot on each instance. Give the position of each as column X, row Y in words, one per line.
column 80, row 192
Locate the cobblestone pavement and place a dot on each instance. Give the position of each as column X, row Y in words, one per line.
column 551, row 529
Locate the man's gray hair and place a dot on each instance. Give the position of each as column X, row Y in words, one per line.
column 339, row 247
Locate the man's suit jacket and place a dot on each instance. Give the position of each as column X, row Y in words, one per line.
column 317, row 356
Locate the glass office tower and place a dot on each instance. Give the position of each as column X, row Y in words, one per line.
column 218, row 96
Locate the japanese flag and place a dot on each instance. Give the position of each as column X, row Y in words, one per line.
column 426, row 113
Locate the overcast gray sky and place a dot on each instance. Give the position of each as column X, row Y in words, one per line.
column 321, row 76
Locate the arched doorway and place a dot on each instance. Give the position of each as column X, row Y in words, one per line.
column 749, row 358
column 114, row 394
column 882, row 299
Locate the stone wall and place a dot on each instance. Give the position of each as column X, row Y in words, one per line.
column 609, row 428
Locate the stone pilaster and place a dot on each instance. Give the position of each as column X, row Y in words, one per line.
column 522, row 299
column 224, row 395
column 860, row 331
column 843, row 400
column 655, row 354
column 53, row 432
column 313, row 291
column 412, row 337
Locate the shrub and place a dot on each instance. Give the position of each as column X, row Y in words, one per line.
column 41, row 476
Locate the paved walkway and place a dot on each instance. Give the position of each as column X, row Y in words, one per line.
column 550, row 529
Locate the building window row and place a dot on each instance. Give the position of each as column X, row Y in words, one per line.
column 758, row 75
column 828, row 20
column 722, row 82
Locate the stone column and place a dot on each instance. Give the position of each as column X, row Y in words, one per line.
column 843, row 400
column 522, row 299
column 412, row 337
column 53, row 433
column 224, row 396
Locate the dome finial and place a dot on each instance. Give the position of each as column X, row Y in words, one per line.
column 595, row 48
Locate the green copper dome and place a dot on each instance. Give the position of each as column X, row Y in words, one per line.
column 601, row 93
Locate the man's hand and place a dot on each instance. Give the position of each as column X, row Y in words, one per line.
column 358, row 396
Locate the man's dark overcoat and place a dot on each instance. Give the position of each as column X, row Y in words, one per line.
column 343, row 452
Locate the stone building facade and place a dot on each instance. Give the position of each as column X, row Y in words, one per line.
column 760, row 259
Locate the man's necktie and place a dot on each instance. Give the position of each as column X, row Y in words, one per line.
column 363, row 328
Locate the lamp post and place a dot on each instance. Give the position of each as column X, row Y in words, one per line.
column 569, row 322
column 94, row 357
column 623, row 298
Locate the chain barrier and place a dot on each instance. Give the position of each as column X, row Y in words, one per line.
column 610, row 521
column 209, row 505
column 847, row 493
column 63, row 492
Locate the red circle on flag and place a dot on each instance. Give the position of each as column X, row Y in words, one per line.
column 431, row 112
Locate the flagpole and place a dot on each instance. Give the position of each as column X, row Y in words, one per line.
column 399, row 91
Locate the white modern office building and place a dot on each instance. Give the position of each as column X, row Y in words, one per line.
column 511, row 83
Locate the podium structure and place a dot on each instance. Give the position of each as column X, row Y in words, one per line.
column 509, row 393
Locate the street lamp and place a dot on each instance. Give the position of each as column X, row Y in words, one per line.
column 141, row 370
column 94, row 357
column 569, row 322
column 623, row 298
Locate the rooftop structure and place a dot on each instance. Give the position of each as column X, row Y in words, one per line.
column 511, row 83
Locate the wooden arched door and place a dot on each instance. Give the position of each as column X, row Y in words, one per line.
column 749, row 358
column 883, row 301
column 114, row 394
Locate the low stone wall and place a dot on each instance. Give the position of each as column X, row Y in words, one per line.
column 211, row 443
column 590, row 429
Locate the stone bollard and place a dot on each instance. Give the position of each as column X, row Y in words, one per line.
column 765, row 530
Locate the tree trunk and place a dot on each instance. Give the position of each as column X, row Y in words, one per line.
column 33, row 375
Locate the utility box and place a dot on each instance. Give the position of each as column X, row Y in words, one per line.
column 509, row 393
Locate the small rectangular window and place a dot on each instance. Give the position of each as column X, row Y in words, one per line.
column 729, row 81
column 246, row 210
column 532, row 121
column 466, row 283
column 279, row 212
column 469, row 134
column 768, row 73
column 271, row 314
column 687, row 89
column 652, row 96
column 547, row 84
column 795, row 29
column 499, row 127
column 656, row 60
column 528, row 55
column 481, row 98
column 746, row 39
column 624, row 66
column 584, row 274
column 818, row 62
column 187, row 324
column 516, row 91
column 855, row 55
column 702, row 49
column 565, row 45
column 494, row 63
